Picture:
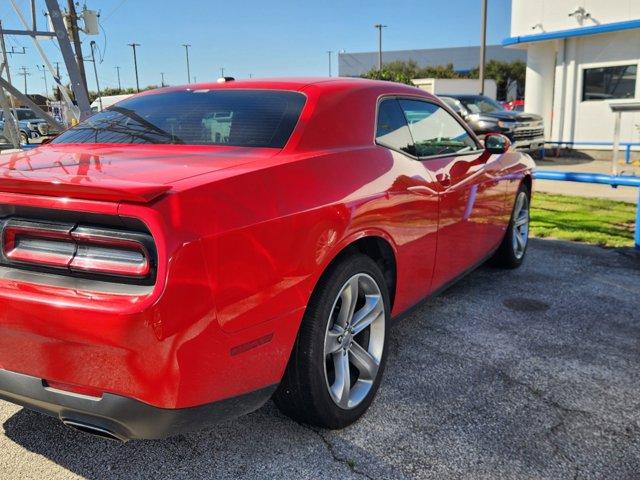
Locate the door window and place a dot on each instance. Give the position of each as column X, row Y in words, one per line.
column 434, row 130
column 392, row 130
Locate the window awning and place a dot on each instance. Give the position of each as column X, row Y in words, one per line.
column 572, row 32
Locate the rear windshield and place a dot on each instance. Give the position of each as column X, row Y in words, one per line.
column 243, row 118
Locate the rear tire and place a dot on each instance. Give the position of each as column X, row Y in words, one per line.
column 512, row 250
column 338, row 360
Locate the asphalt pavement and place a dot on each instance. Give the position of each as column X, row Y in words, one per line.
column 533, row 373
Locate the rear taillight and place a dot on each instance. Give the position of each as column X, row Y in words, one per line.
column 79, row 250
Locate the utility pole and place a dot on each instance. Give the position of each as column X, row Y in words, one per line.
column 95, row 72
column 119, row 84
column 44, row 76
column 7, row 103
column 329, row 52
column 221, row 72
column 75, row 37
column 5, row 60
column 135, row 63
column 57, row 80
column 483, row 45
column 162, row 75
column 379, row 26
column 186, row 48
column 25, row 73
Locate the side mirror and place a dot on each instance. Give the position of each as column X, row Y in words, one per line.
column 496, row 143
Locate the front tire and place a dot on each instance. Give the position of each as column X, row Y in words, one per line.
column 512, row 250
column 337, row 363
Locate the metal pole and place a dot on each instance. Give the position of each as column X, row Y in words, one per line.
column 119, row 84
column 483, row 45
column 8, row 103
column 329, row 53
column 25, row 74
column 135, row 63
column 57, row 80
column 637, row 233
column 77, row 45
column 379, row 26
column 616, row 143
column 83, row 109
column 95, row 72
column 221, row 72
column 46, row 85
column 34, row 24
column 5, row 58
column 162, row 75
column 186, row 48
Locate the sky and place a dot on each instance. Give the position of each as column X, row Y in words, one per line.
column 252, row 37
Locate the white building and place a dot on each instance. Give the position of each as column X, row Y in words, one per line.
column 582, row 55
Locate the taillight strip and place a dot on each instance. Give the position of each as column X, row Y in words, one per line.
column 78, row 249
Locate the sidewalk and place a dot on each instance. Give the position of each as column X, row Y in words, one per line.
column 571, row 164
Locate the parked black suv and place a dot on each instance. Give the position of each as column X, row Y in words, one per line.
column 485, row 115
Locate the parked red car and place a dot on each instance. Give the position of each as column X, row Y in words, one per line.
column 515, row 105
column 187, row 254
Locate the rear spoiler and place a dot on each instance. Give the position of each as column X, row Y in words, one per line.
column 111, row 190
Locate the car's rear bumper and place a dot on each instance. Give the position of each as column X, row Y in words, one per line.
column 122, row 418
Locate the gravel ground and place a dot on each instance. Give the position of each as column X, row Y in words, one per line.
column 522, row 374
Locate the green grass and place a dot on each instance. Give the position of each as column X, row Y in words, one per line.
column 590, row 220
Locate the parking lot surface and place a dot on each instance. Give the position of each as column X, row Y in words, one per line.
column 533, row 373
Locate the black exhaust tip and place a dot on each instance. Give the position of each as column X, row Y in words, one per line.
column 94, row 430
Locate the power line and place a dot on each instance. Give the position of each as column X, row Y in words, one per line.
column 110, row 14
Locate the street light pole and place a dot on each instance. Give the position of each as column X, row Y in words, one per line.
column 379, row 26
column 135, row 63
column 186, row 48
column 329, row 52
column 95, row 72
column 483, row 45
column 119, row 84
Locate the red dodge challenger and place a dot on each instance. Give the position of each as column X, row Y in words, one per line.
column 191, row 252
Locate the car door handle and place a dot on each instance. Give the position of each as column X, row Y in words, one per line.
column 422, row 190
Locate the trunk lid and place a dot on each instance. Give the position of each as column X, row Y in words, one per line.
column 134, row 173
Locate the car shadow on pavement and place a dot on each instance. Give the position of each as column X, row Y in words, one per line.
column 264, row 444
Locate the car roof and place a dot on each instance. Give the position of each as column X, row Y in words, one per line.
column 297, row 84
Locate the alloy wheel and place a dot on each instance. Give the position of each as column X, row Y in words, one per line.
column 520, row 227
column 354, row 341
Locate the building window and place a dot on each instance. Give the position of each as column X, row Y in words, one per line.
column 608, row 83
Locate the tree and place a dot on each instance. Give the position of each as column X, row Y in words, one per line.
column 405, row 71
column 502, row 72
column 118, row 91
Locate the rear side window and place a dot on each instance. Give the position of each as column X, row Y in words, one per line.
column 242, row 118
column 392, row 130
column 434, row 130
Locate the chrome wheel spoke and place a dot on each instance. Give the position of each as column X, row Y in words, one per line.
column 342, row 385
column 368, row 314
column 364, row 362
column 522, row 220
column 349, row 297
column 332, row 342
